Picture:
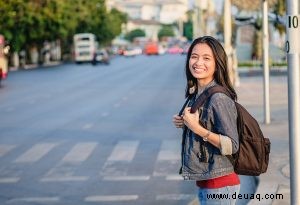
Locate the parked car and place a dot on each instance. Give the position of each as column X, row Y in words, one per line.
column 151, row 49
column 175, row 50
column 132, row 51
column 161, row 50
column 101, row 57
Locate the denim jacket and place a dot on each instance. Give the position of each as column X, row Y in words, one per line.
column 201, row 160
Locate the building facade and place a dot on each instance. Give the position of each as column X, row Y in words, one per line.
column 149, row 15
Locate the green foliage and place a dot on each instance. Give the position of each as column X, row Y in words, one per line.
column 165, row 31
column 12, row 23
column 188, row 30
column 31, row 22
column 135, row 33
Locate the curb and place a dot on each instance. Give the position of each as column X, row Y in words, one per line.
column 34, row 66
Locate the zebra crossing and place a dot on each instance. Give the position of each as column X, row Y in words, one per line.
column 115, row 168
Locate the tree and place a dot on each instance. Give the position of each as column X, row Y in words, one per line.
column 277, row 6
column 112, row 25
column 12, row 22
column 36, row 21
column 188, row 26
column 280, row 10
column 165, row 31
column 135, row 33
column 253, row 5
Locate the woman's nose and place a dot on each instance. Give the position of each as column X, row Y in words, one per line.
column 199, row 62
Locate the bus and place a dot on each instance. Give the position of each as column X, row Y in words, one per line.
column 85, row 47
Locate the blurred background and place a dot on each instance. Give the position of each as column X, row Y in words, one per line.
column 40, row 32
column 89, row 88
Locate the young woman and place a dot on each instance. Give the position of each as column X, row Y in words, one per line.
column 211, row 132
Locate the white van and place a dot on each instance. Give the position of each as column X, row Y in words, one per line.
column 85, row 47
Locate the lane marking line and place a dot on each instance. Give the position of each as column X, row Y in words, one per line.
column 126, row 178
column 101, row 198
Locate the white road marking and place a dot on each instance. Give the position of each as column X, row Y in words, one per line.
column 118, row 162
column 168, row 159
column 176, row 197
column 64, row 171
column 8, row 180
column 34, row 200
column 80, row 152
column 174, row 177
column 4, row 149
column 36, row 152
column 170, row 150
column 116, row 105
column 64, row 178
column 124, row 151
column 101, row 198
column 88, row 126
column 126, row 178
column 104, row 114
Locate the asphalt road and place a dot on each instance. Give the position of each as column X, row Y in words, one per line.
column 82, row 134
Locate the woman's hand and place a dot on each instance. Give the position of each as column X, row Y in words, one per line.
column 191, row 120
column 178, row 121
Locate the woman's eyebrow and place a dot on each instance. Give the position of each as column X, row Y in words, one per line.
column 207, row 55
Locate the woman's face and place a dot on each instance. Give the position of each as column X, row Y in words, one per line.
column 202, row 64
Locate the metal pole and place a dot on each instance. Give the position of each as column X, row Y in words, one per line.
column 292, row 47
column 196, row 20
column 227, row 25
column 266, row 62
column 228, row 36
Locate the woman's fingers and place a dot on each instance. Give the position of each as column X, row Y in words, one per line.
column 178, row 121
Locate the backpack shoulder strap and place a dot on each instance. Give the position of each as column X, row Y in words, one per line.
column 207, row 94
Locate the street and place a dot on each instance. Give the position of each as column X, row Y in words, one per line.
column 82, row 134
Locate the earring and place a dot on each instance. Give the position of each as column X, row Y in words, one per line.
column 192, row 87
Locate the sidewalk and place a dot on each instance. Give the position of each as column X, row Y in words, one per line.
column 32, row 66
column 276, row 180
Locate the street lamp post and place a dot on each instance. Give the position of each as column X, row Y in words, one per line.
column 266, row 62
column 230, row 50
column 227, row 38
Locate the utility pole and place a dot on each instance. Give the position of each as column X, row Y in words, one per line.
column 292, row 49
column 227, row 38
column 196, row 20
column 199, row 27
column 266, row 62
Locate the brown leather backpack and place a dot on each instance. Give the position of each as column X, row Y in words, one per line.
column 252, row 157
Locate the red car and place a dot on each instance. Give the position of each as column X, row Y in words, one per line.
column 151, row 49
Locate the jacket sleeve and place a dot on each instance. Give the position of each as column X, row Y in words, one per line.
column 224, row 118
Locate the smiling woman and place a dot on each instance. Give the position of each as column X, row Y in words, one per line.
column 210, row 133
column 202, row 64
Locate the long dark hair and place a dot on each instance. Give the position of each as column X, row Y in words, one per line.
column 221, row 75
